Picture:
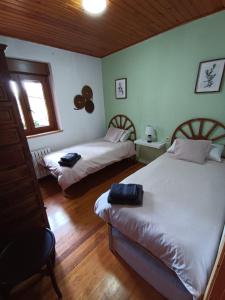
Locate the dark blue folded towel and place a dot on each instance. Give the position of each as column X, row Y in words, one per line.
column 130, row 194
column 69, row 157
column 70, row 163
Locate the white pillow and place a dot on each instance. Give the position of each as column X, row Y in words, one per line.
column 171, row 149
column 113, row 135
column 216, row 152
column 125, row 136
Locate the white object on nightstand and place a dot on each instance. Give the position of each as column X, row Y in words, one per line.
column 150, row 132
column 156, row 145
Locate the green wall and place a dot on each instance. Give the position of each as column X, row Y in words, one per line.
column 161, row 74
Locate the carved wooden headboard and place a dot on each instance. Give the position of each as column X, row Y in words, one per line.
column 123, row 122
column 200, row 129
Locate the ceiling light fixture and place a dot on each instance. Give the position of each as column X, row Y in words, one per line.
column 94, row 6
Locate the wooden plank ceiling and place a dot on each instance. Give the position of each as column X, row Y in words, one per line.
column 63, row 23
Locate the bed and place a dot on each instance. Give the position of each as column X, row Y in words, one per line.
column 173, row 239
column 96, row 155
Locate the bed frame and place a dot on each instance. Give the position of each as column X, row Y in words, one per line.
column 150, row 268
column 123, row 122
column 200, row 129
column 118, row 121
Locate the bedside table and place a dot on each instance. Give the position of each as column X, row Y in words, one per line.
column 147, row 152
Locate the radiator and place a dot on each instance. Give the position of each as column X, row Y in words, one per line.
column 37, row 156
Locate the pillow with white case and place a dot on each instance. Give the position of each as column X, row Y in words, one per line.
column 113, row 134
column 125, row 136
column 171, row 149
column 216, row 152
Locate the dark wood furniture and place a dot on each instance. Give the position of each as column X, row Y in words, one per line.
column 123, row 122
column 200, row 129
column 21, row 205
column 25, row 256
column 64, row 24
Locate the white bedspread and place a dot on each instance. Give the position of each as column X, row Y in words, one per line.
column 182, row 216
column 95, row 156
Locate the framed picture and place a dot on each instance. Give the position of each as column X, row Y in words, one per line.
column 121, row 88
column 210, row 75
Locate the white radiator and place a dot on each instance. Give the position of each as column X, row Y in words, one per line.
column 37, row 156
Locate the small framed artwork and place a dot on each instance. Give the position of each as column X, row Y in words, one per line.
column 210, row 76
column 121, row 88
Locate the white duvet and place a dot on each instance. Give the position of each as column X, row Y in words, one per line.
column 182, row 216
column 95, row 156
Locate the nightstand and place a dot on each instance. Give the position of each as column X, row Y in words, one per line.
column 147, row 152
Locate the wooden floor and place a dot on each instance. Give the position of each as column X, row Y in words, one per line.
column 85, row 267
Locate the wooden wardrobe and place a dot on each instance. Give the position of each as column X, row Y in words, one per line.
column 21, row 205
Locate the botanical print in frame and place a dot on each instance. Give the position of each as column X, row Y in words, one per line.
column 121, row 88
column 210, row 75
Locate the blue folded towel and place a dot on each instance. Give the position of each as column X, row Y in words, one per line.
column 70, row 163
column 69, row 157
column 129, row 194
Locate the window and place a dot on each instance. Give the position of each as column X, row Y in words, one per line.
column 31, row 88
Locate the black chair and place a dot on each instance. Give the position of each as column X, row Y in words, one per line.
column 29, row 254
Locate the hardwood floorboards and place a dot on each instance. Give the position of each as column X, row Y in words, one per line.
column 85, row 267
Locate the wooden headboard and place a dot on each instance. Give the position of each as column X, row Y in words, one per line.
column 123, row 122
column 200, row 129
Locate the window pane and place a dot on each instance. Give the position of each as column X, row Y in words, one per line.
column 16, row 94
column 37, row 102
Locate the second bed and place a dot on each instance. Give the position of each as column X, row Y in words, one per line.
column 95, row 155
column 173, row 239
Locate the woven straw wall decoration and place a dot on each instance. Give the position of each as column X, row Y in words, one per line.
column 85, row 100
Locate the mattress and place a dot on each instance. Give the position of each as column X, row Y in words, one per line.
column 95, row 156
column 151, row 269
column 182, row 217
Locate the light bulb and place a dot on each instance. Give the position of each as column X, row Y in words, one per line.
column 94, row 6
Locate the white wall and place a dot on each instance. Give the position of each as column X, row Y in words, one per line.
column 70, row 72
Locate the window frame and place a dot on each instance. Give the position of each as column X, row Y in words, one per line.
column 21, row 70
